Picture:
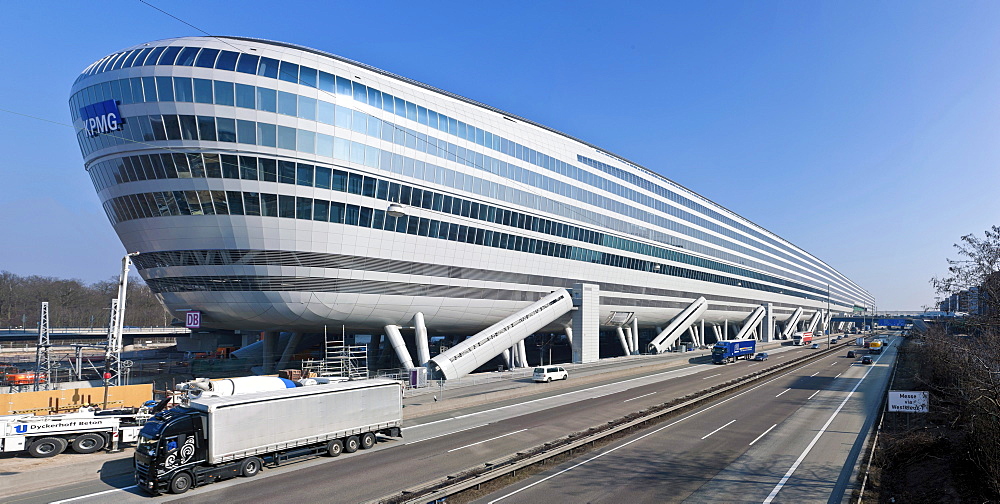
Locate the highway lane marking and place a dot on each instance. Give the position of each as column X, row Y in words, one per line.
column 717, row 430
column 486, row 440
column 838, row 376
column 693, row 370
column 786, row 390
column 640, row 438
column 814, row 374
column 815, row 439
column 833, row 363
column 713, row 376
column 813, row 395
column 447, row 433
column 133, row 487
column 762, row 435
column 640, row 397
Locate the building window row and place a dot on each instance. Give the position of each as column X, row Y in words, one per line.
column 206, row 202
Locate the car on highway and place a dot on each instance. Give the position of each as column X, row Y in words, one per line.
column 866, row 359
column 549, row 373
column 761, row 356
column 851, row 354
column 814, row 345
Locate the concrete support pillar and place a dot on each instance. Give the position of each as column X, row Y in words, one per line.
column 423, row 353
column 628, row 338
column 586, row 320
column 767, row 324
column 701, row 333
column 636, row 349
column 270, row 343
column 725, row 329
column 396, row 340
column 286, row 355
column 506, row 359
column 623, row 340
column 569, row 336
column 522, row 353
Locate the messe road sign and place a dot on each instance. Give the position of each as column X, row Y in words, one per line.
column 908, row 401
column 193, row 320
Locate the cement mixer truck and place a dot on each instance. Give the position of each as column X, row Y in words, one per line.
column 214, row 436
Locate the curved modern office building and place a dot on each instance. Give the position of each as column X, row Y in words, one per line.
column 256, row 178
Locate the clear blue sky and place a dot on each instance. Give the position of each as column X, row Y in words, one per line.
column 867, row 133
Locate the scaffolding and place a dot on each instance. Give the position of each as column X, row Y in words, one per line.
column 349, row 362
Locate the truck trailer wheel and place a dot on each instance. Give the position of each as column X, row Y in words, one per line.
column 367, row 440
column 334, row 448
column 88, row 443
column 352, row 444
column 47, row 447
column 181, row 483
column 250, row 467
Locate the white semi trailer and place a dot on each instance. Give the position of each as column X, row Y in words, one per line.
column 215, row 438
column 85, row 432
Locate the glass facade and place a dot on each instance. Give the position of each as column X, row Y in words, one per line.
column 348, row 131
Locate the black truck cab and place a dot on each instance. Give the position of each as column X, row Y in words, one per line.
column 170, row 446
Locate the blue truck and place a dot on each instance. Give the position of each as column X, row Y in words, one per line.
column 730, row 350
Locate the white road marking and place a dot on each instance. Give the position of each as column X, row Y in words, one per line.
column 833, row 363
column 815, row 439
column 640, row 397
column 640, row 438
column 814, row 374
column 96, row 494
column 762, row 435
column 813, row 395
column 713, row 376
column 786, row 390
column 838, row 376
column 717, row 430
column 486, row 440
column 446, row 434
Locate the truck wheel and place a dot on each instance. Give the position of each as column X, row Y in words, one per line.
column 367, row 440
column 47, row 447
column 181, row 483
column 334, row 448
column 250, row 467
column 88, row 443
column 352, row 444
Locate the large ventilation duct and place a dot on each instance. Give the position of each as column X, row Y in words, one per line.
column 423, row 352
column 751, row 323
column 477, row 350
column 815, row 320
column 396, row 340
column 677, row 326
column 790, row 323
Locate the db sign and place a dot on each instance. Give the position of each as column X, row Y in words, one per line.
column 193, row 320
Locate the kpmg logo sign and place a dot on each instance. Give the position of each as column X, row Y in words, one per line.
column 101, row 117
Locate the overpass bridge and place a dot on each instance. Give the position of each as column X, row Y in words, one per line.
column 67, row 334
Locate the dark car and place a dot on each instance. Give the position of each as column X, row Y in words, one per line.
column 851, row 354
column 866, row 360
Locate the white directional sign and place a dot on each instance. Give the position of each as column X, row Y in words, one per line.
column 193, row 320
column 908, row 401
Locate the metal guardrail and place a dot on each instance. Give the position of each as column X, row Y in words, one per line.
column 441, row 488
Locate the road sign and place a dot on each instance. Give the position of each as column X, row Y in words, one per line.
column 908, row 401
column 193, row 320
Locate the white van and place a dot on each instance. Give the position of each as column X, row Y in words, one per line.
column 549, row 373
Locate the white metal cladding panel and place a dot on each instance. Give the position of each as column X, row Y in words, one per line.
column 260, row 427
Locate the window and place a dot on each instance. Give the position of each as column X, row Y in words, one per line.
column 286, row 137
column 266, row 100
column 287, row 103
column 213, row 167
column 248, row 168
column 247, row 64
column 251, row 203
column 224, row 93
column 266, row 135
column 206, row 128
column 286, row 172
column 245, row 96
column 304, row 175
column 323, row 177
column 286, row 206
column 230, row 167
column 269, row 205
column 268, row 68
column 206, row 58
column 235, row 203
column 168, row 56
column 268, row 169
column 307, row 108
column 172, row 126
column 288, row 72
column 189, row 127
column 321, row 210
column 153, row 56
column 182, row 87
column 202, row 91
column 186, row 58
column 303, row 208
column 226, row 61
column 226, row 128
column 165, row 89
column 246, row 132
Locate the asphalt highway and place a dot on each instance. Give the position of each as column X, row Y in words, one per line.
column 794, row 439
column 434, row 448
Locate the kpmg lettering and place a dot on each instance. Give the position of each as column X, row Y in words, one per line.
column 101, row 118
